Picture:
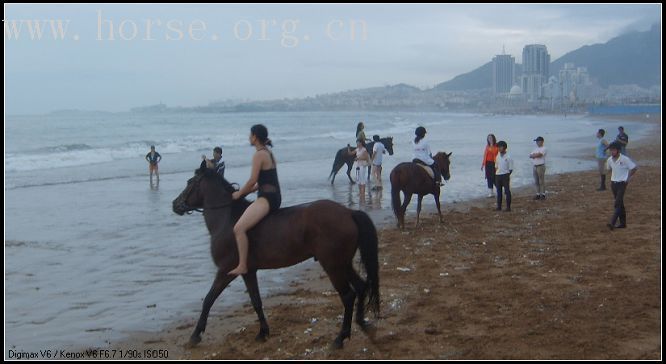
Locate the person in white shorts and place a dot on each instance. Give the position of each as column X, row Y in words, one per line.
column 362, row 162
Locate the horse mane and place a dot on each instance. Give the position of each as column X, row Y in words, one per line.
column 237, row 206
column 207, row 172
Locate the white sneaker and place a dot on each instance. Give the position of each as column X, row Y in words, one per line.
column 490, row 193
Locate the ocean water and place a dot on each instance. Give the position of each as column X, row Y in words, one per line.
column 93, row 252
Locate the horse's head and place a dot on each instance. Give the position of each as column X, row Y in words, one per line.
column 205, row 190
column 388, row 143
column 444, row 163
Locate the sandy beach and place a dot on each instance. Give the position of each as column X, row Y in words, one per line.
column 545, row 281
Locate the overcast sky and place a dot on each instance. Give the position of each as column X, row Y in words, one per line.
column 273, row 51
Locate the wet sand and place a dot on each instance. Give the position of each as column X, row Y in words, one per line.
column 545, row 281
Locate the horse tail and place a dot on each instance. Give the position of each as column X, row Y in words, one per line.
column 395, row 193
column 367, row 242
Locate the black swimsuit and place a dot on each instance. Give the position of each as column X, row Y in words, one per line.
column 269, row 187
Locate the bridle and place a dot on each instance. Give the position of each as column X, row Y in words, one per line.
column 440, row 170
column 182, row 205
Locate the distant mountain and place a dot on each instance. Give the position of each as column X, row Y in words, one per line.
column 391, row 92
column 478, row 79
column 631, row 58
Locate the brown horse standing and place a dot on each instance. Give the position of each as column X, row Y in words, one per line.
column 323, row 229
column 410, row 178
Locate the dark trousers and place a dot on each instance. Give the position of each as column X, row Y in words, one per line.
column 502, row 182
column 618, row 189
column 490, row 174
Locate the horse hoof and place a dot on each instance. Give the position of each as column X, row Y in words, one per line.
column 364, row 325
column 261, row 338
column 337, row 344
column 369, row 329
column 194, row 341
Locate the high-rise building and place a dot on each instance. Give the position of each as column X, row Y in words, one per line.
column 503, row 74
column 575, row 82
column 536, row 62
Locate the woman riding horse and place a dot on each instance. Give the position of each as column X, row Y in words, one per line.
column 325, row 230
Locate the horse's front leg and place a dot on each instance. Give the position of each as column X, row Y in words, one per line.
column 253, row 289
column 439, row 211
column 403, row 208
column 418, row 209
column 222, row 280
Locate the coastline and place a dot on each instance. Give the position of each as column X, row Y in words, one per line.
column 543, row 282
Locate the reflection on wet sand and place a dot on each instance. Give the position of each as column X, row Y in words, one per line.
column 348, row 195
column 155, row 185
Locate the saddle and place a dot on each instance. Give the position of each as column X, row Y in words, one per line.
column 427, row 169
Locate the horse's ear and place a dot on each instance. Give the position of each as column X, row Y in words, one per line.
column 448, row 155
column 202, row 168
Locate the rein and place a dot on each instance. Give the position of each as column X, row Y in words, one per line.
column 189, row 210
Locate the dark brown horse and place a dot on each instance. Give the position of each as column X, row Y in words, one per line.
column 343, row 157
column 325, row 230
column 410, row 178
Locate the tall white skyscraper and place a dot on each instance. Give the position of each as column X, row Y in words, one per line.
column 536, row 62
column 503, row 73
column 574, row 81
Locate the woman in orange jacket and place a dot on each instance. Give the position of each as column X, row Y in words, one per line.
column 488, row 163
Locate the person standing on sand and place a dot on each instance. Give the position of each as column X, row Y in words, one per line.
column 622, row 169
column 623, row 139
column 538, row 157
column 153, row 159
column 362, row 162
column 378, row 151
column 602, row 157
column 488, row 162
column 503, row 170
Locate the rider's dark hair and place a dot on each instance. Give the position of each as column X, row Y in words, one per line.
column 261, row 133
column 375, row 138
column 602, row 132
column 420, row 134
column 217, row 150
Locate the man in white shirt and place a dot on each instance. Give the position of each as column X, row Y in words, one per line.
column 504, row 168
column 622, row 169
column 378, row 151
column 538, row 157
